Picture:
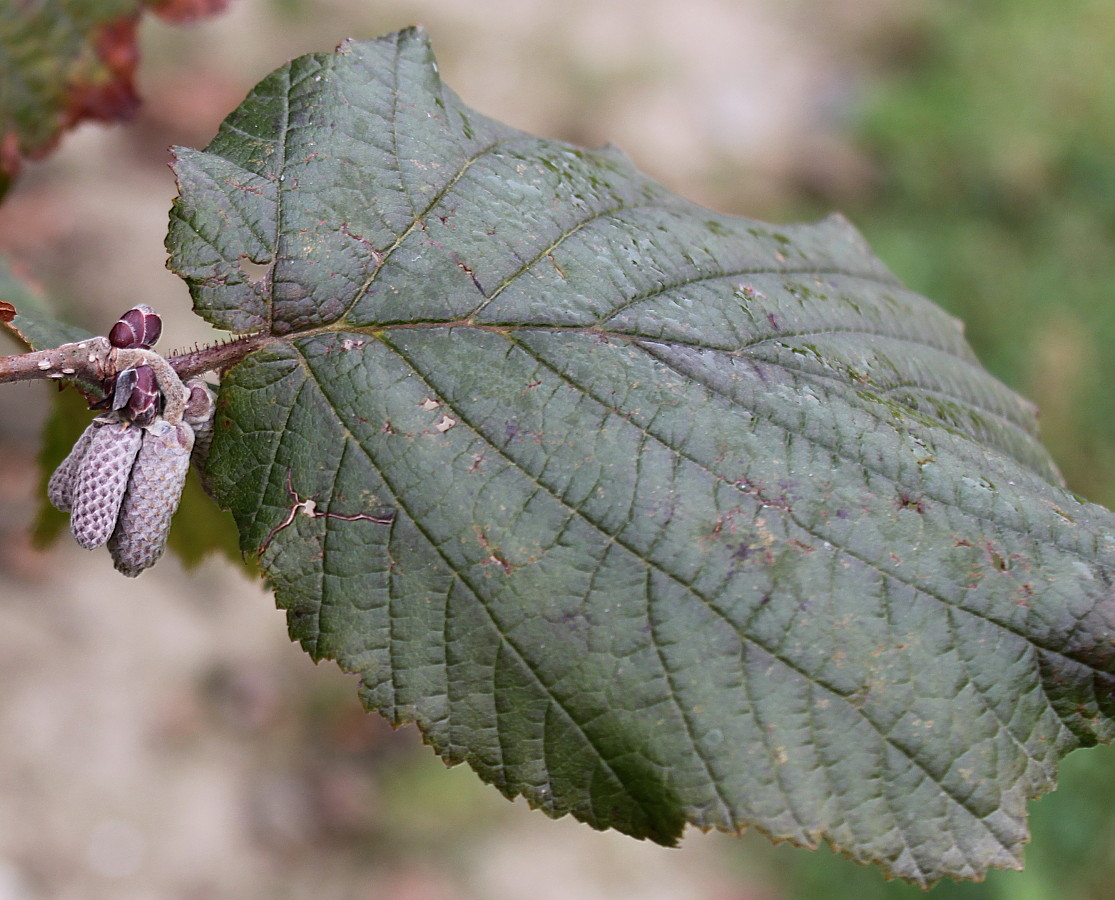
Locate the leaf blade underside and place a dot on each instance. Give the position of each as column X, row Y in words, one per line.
column 650, row 514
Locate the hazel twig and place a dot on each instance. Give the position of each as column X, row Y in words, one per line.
column 95, row 360
column 86, row 360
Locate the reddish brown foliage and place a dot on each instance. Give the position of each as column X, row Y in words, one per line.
column 114, row 95
column 93, row 79
column 183, row 11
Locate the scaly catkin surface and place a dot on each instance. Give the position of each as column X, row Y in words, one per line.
column 100, row 481
column 60, row 488
column 152, row 496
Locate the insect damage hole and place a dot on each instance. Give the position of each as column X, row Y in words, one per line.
column 255, row 272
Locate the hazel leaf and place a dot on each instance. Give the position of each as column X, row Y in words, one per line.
column 651, row 515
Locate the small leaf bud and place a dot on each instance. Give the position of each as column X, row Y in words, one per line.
column 200, row 409
column 138, row 328
column 142, row 406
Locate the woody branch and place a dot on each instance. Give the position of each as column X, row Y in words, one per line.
column 94, row 360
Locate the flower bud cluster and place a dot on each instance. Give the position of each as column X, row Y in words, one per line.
column 123, row 480
column 134, row 392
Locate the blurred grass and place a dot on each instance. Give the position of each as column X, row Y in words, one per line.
column 993, row 133
column 991, row 129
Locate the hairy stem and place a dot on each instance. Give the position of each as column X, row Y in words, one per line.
column 218, row 356
column 95, row 359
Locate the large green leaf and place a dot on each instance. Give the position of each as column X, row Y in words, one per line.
column 695, row 519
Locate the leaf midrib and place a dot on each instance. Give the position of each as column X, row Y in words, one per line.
column 380, row 331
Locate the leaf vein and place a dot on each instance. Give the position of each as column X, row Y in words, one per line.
column 952, row 429
column 706, row 764
column 557, row 242
column 709, row 602
column 476, row 594
column 437, row 198
column 874, row 470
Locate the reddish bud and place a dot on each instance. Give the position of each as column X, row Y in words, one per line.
column 137, row 395
column 200, row 409
column 138, row 328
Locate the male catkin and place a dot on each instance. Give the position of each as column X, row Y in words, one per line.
column 152, row 496
column 100, row 480
column 60, row 488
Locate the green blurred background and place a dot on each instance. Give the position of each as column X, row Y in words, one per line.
column 972, row 142
column 990, row 132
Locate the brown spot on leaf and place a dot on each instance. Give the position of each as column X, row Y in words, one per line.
column 7, row 311
column 905, row 501
column 468, row 271
column 369, row 248
column 496, row 560
column 997, row 559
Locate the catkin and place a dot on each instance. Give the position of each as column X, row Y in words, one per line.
column 123, row 480
column 199, row 416
column 99, row 481
column 153, row 493
column 60, row 488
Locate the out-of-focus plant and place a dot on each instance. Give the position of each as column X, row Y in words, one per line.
column 993, row 132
